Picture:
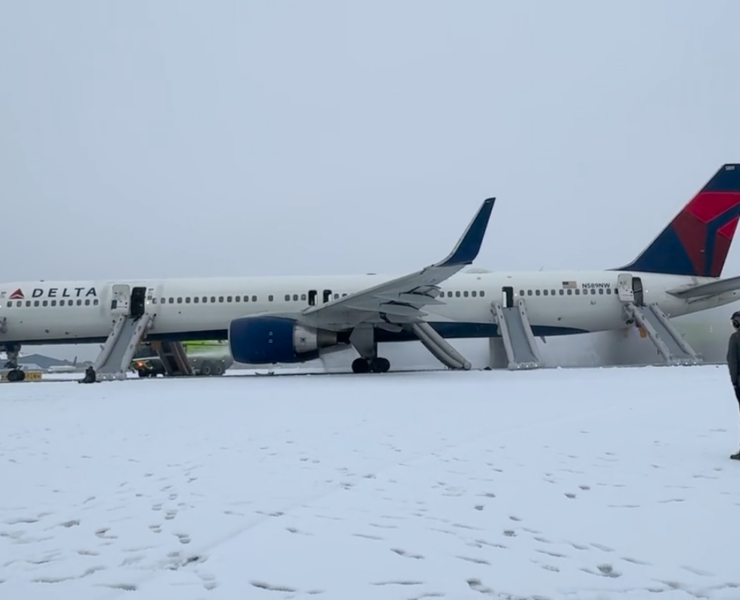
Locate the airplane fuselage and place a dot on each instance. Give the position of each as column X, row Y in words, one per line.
column 557, row 303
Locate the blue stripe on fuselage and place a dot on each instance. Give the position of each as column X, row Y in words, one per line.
column 449, row 330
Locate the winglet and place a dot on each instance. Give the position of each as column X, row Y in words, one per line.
column 468, row 246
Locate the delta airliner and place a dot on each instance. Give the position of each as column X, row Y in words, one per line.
column 270, row 320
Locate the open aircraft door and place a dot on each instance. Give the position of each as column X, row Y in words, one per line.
column 120, row 303
column 624, row 288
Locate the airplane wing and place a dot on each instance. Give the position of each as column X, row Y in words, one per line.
column 712, row 288
column 400, row 300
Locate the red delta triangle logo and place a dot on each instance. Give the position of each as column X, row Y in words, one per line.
column 17, row 295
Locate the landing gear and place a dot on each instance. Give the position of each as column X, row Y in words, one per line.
column 15, row 373
column 209, row 368
column 363, row 340
column 373, row 365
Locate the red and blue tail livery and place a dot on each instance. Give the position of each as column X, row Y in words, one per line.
column 697, row 241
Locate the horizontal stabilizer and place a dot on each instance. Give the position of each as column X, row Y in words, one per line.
column 708, row 289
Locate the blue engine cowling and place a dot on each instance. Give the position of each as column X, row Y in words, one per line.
column 268, row 339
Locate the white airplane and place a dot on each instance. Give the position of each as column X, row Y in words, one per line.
column 294, row 319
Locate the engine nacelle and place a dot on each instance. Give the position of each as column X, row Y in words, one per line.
column 267, row 340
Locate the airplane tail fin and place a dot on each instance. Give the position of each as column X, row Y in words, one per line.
column 696, row 242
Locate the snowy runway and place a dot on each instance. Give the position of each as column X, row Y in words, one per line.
column 589, row 484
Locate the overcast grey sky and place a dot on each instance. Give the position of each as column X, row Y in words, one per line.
column 168, row 139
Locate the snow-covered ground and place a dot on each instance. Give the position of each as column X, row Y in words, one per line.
column 590, row 484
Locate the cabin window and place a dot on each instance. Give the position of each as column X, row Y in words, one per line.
column 87, row 302
column 465, row 293
column 457, row 294
column 473, row 293
column 270, row 297
column 287, row 297
column 569, row 292
column 537, row 292
column 35, row 302
column 578, row 292
column 303, row 297
column 254, row 298
column 196, row 299
column 601, row 291
column 237, row 298
column 79, row 303
column 179, row 300
column 187, row 299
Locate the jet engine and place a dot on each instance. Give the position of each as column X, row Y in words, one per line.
column 272, row 339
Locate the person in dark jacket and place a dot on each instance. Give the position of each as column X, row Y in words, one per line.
column 89, row 375
column 733, row 362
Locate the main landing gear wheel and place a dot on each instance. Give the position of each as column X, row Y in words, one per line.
column 374, row 365
column 16, row 375
column 13, row 352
